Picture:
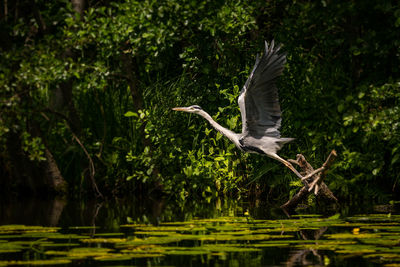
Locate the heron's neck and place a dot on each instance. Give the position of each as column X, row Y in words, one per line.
column 234, row 137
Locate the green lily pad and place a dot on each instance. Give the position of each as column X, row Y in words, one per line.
column 185, row 252
column 25, row 228
column 352, row 236
column 108, row 234
column 36, row 262
column 83, row 227
column 307, row 215
column 374, row 237
column 59, row 245
column 171, row 229
column 104, row 240
column 9, row 250
column 114, row 257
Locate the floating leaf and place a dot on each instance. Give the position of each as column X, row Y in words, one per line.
column 362, row 235
column 104, row 240
column 36, row 262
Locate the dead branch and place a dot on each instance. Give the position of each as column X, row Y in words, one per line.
column 92, row 170
column 315, row 177
column 326, row 165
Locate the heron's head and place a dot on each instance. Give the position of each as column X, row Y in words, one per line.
column 191, row 109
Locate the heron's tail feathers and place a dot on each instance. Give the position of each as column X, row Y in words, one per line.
column 283, row 141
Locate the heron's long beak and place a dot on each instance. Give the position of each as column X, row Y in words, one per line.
column 179, row 109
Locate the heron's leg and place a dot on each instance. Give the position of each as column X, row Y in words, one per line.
column 287, row 164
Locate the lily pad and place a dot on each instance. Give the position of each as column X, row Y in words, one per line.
column 104, row 240
column 36, row 262
column 375, row 238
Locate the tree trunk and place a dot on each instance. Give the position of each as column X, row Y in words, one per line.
column 32, row 177
column 54, row 179
column 79, row 6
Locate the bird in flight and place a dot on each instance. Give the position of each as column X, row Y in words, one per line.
column 259, row 108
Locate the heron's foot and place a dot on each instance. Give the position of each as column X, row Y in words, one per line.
column 292, row 161
column 290, row 166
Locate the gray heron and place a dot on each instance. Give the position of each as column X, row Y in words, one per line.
column 259, row 108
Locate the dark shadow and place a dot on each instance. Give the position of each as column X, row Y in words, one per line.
column 31, row 211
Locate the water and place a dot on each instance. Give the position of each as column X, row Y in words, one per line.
column 158, row 232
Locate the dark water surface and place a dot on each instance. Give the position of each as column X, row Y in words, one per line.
column 158, row 232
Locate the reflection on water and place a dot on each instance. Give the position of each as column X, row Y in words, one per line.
column 31, row 211
column 156, row 232
column 112, row 213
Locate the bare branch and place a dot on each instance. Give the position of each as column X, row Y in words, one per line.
column 316, row 184
column 92, row 170
column 323, row 169
column 312, row 173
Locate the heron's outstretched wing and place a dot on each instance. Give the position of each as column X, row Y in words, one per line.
column 259, row 100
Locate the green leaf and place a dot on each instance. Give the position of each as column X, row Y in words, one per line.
column 340, row 108
column 334, row 217
column 395, row 159
column 131, row 114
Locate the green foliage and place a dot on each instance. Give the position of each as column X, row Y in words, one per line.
column 128, row 63
column 371, row 123
column 33, row 146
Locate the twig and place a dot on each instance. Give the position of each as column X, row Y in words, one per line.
column 312, row 174
column 332, row 156
column 91, row 164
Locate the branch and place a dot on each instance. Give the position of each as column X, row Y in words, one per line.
column 91, row 164
column 326, row 165
column 316, row 177
column 312, row 173
column 332, row 156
